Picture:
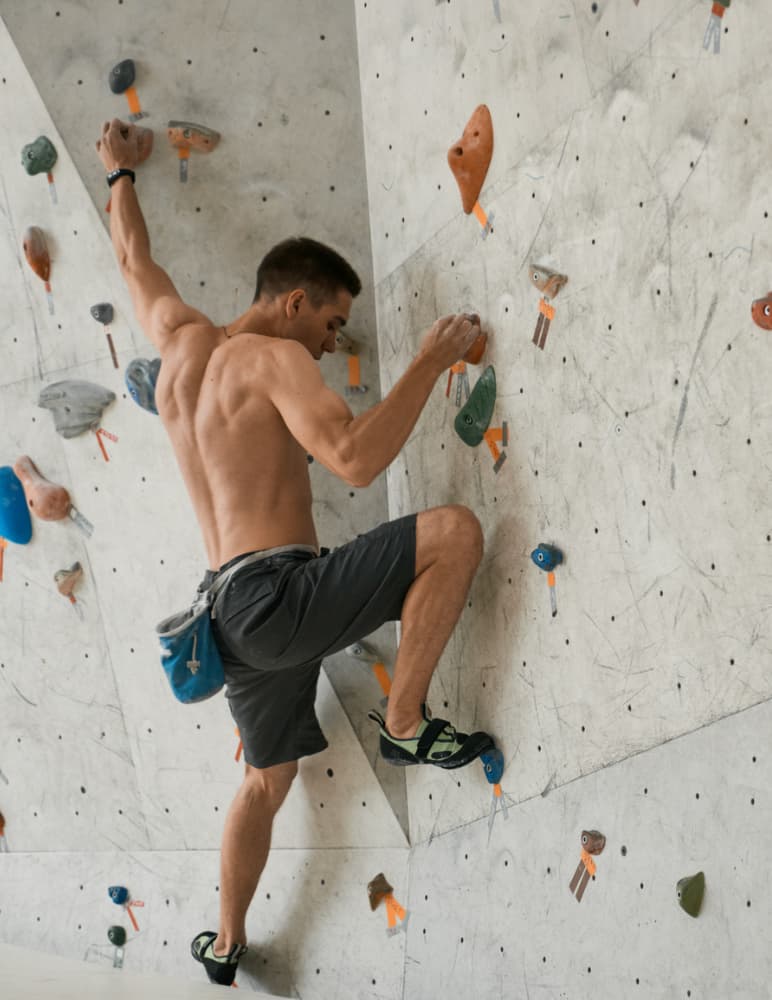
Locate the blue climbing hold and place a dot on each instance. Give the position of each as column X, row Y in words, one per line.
column 15, row 522
column 141, row 378
column 119, row 894
column 547, row 557
column 493, row 764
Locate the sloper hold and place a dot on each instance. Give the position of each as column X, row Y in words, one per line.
column 470, row 157
column 593, row 841
column 475, row 416
column 188, row 135
column 39, row 157
column 15, row 522
column 122, row 75
column 377, row 890
column 102, row 312
column 36, row 252
column 67, row 580
column 47, row 500
column 77, row 406
column 691, row 891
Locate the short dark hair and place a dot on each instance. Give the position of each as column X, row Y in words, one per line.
column 300, row 262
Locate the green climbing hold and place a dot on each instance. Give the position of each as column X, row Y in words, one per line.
column 475, row 416
column 39, row 157
column 117, row 935
column 690, row 892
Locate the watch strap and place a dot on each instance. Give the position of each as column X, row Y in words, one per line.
column 114, row 175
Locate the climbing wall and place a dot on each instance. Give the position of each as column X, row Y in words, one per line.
column 634, row 161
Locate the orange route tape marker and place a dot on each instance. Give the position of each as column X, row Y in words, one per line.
column 383, row 678
column 52, row 188
column 3, row 547
column 100, row 433
column 133, row 98
column 132, row 918
column 486, row 221
column 354, row 371
column 494, row 435
column 553, row 598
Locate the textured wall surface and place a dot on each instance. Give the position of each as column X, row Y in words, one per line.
column 627, row 157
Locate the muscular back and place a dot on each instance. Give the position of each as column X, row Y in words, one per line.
column 246, row 474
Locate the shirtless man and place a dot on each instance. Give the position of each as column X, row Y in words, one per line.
column 244, row 404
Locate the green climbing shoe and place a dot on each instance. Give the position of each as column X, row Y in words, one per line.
column 436, row 742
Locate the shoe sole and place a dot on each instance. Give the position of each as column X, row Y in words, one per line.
column 406, row 761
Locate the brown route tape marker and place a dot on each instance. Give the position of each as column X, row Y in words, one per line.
column 593, row 842
column 469, row 159
column 186, row 136
column 549, row 284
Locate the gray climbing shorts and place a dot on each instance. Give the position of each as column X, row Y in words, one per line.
column 278, row 618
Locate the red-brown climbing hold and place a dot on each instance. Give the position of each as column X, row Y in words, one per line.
column 761, row 311
column 44, row 499
column 470, row 157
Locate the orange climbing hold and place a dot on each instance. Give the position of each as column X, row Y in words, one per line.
column 470, row 157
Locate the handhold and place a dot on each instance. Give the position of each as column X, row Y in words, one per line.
column 377, row 890
column 117, row 935
column 548, row 282
column 493, row 765
column 761, row 311
column 593, row 841
column 470, row 157
column 141, row 379
column 68, row 579
column 475, row 353
column 119, row 894
column 547, row 557
column 39, row 157
column 473, row 418
column 690, row 892
column 36, row 252
column 188, row 135
column 102, row 312
column 76, row 405
column 45, row 499
column 122, row 75
column 15, row 522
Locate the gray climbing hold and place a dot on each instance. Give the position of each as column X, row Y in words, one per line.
column 122, row 76
column 102, row 313
column 76, row 406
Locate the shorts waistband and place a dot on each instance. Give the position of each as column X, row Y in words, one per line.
column 259, row 554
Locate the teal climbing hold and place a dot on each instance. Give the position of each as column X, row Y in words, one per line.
column 39, row 157
column 475, row 416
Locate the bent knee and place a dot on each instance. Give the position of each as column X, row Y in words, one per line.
column 272, row 783
column 465, row 528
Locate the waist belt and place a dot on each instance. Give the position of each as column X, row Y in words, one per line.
column 217, row 585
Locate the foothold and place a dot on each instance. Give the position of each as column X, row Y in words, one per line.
column 377, row 890
column 690, row 891
column 547, row 557
column 67, row 580
column 187, row 136
column 761, row 311
column 345, row 343
column 119, row 894
column 39, row 156
column 36, row 252
column 45, row 499
column 122, row 76
column 76, row 405
column 474, row 417
column 548, row 282
column 15, row 520
column 593, row 841
column 493, row 765
column 102, row 313
column 117, row 936
column 141, row 379
column 470, row 157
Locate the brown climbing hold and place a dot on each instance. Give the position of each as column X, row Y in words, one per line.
column 187, row 136
column 593, row 841
column 377, row 890
column 548, row 282
column 44, row 499
column 470, row 157
column 67, row 580
column 36, row 252
column 475, row 353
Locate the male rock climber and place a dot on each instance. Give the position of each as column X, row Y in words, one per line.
column 244, row 404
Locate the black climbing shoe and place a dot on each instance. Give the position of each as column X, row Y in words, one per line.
column 220, row 969
column 436, row 742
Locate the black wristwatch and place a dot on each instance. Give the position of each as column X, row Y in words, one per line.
column 113, row 176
